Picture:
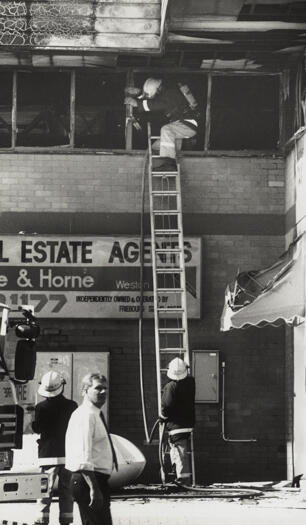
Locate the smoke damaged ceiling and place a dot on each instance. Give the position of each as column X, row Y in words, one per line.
column 205, row 34
column 238, row 34
column 239, row 10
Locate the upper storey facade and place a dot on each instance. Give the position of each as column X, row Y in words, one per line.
column 86, row 25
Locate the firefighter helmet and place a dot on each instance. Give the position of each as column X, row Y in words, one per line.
column 52, row 384
column 177, row 369
column 151, row 86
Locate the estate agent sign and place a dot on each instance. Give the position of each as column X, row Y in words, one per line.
column 87, row 277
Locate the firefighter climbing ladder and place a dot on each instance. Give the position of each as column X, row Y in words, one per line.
column 168, row 266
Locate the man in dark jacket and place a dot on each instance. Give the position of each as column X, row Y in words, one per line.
column 174, row 102
column 178, row 411
column 51, row 420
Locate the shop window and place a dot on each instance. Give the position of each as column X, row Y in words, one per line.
column 244, row 113
column 100, row 110
column 43, row 109
column 198, row 86
column 6, row 80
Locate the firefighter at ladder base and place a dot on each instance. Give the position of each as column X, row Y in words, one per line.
column 178, row 412
column 177, row 104
column 51, row 420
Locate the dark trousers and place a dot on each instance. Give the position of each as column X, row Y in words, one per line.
column 98, row 514
column 65, row 500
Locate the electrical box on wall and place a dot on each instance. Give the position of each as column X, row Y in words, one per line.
column 205, row 369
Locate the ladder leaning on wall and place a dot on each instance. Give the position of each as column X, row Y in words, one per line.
column 168, row 267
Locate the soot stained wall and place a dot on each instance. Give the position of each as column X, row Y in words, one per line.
column 236, row 205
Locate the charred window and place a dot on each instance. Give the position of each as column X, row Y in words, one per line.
column 99, row 110
column 6, row 80
column 43, row 109
column 244, row 113
column 85, row 109
column 198, row 87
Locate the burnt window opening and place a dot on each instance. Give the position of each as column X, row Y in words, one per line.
column 43, row 109
column 198, row 86
column 100, row 110
column 244, row 113
column 6, row 81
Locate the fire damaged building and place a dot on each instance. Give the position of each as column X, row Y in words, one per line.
column 76, row 215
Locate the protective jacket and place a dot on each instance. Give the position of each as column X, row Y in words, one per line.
column 177, row 406
column 51, row 420
column 171, row 103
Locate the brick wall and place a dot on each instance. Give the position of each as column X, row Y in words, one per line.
column 69, row 183
column 236, row 205
column 233, row 185
column 81, row 183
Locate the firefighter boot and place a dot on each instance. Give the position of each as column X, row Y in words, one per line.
column 164, row 164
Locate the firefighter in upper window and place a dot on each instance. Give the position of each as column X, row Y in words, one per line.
column 178, row 412
column 176, row 103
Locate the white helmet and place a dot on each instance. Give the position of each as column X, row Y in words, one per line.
column 52, row 384
column 177, row 369
column 151, row 87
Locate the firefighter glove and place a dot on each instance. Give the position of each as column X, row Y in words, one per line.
column 132, row 91
column 131, row 101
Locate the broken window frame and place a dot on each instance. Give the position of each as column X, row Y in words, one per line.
column 247, row 75
column 6, row 109
column 130, row 73
column 43, row 115
column 100, row 117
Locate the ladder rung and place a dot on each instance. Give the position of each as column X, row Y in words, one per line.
column 170, row 309
column 170, row 290
column 165, row 171
column 164, row 174
column 173, row 350
column 160, row 231
column 166, row 212
column 168, row 250
column 167, row 192
column 171, row 330
column 169, row 270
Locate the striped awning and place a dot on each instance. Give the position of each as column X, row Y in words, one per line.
column 273, row 296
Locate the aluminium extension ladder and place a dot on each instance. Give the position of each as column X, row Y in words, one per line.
column 168, row 267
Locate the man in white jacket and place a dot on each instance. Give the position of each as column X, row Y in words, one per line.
column 90, row 454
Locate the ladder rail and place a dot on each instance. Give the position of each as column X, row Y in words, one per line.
column 169, row 276
column 183, row 274
column 155, row 298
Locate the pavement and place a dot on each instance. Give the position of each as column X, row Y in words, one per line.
column 269, row 506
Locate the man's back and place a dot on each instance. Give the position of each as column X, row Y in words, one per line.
column 172, row 103
column 178, row 402
column 51, row 420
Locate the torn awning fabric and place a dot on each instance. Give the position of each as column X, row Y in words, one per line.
column 270, row 296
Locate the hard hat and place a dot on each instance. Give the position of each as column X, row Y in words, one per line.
column 51, row 384
column 177, row 369
column 151, row 87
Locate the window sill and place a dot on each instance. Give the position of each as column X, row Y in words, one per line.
column 64, row 150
